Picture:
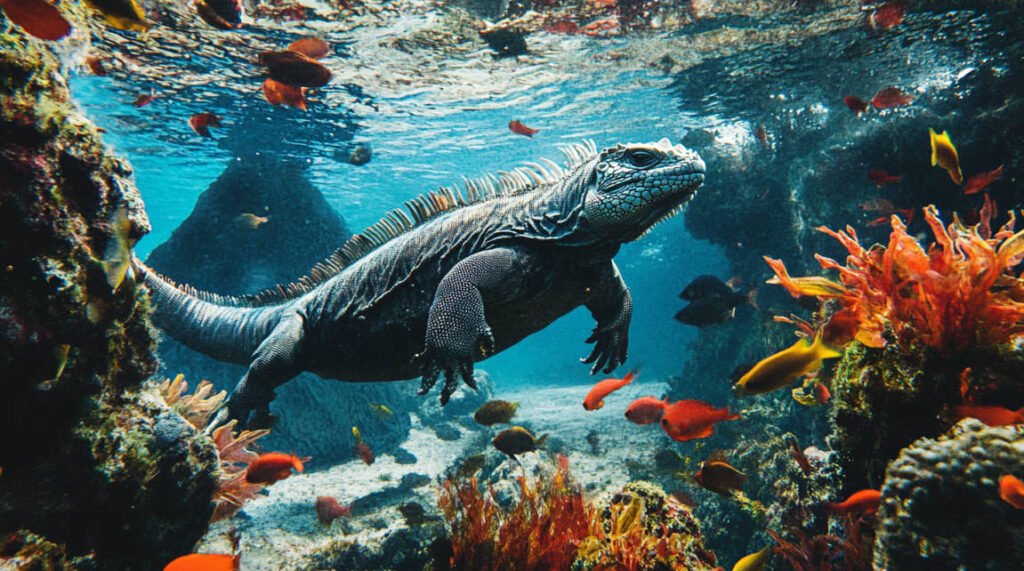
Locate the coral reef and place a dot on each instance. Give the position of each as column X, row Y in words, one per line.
column 95, row 471
column 941, row 506
column 215, row 250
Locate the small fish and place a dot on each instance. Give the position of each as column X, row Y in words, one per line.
column 595, row 398
column 798, row 455
column 856, row 104
column 517, row 440
column 381, row 410
column 205, row 562
column 881, row 177
column 782, row 368
column 692, row 419
column 720, row 477
column 360, row 155
column 221, row 14
column 645, row 410
column 864, row 501
column 272, row 467
column 144, row 99
column 965, row 386
column 60, row 357
column 890, row 97
column 887, row 16
column 471, row 466
column 821, row 392
column 761, row 135
column 277, row 93
column 121, row 14
column 311, row 47
column 1011, row 491
column 518, row 128
column 562, row 27
column 201, row 123
column 295, row 69
column 95, row 65
column 251, row 221
column 684, row 498
column 356, row 434
column 413, row 513
column 878, row 205
column 755, row 561
column 37, row 17
column 991, row 415
column 328, row 509
column 117, row 255
column 365, row 453
column 980, row 181
column 711, row 301
column 495, row 412
column 945, row 156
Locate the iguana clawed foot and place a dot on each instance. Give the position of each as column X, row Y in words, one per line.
column 453, row 362
column 611, row 345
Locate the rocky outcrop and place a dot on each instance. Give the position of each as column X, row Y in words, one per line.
column 96, row 474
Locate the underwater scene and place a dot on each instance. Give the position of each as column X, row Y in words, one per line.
column 536, row 285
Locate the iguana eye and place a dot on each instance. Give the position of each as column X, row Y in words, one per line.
column 641, row 159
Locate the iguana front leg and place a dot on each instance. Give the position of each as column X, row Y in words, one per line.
column 456, row 328
column 612, row 308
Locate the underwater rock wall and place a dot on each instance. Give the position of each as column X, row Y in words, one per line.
column 96, row 473
column 262, row 223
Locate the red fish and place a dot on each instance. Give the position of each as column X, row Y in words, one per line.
column 278, row 93
column 965, row 386
column 204, row 562
column 991, row 415
column 328, row 509
column 563, row 27
column 856, row 104
column 799, row 457
column 864, row 501
column 595, row 398
column 881, row 177
column 295, row 69
column 645, row 410
column 518, row 128
column 201, row 123
column 980, row 181
column 37, row 17
column 821, row 393
column 887, row 16
column 95, row 65
column 311, row 47
column 890, row 97
column 144, row 99
column 761, row 135
column 272, row 467
column 691, row 419
column 1011, row 491
column 365, row 453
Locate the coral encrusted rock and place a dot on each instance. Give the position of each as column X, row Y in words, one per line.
column 941, row 507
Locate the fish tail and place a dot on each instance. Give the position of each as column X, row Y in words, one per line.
column 631, row 375
column 752, row 298
column 823, row 350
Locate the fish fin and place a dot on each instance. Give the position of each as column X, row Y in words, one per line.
column 933, row 139
column 542, row 441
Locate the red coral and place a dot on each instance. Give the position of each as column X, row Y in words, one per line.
column 959, row 293
column 232, row 488
column 826, row 552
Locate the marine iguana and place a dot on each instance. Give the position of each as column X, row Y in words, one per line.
column 462, row 275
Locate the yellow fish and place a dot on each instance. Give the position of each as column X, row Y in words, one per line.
column 754, row 562
column 117, row 256
column 381, row 410
column 121, row 14
column 355, row 432
column 786, row 366
column 944, row 155
column 252, row 221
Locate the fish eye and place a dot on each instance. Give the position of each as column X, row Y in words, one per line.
column 640, row 158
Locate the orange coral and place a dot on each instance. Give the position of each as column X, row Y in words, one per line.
column 959, row 293
column 232, row 488
column 196, row 408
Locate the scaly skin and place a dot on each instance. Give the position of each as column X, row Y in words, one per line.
column 458, row 287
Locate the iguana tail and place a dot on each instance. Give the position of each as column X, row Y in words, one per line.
column 223, row 332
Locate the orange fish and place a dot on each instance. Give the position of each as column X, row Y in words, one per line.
column 864, row 501
column 37, row 17
column 890, row 97
column 980, row 181
column 856, row 104
column 944, row 155
column 887, row 16
column 965, row 386
column 272, row 467
column 1011, row 490
column 645, row 410
column 595, row 398
column 201, row 123
column 881, row 177
column 821, row 393
column 311, row 47
column 204, row 562
column 520, row 129
column 278, row 93
column 365, row 453
column 692, row 419
column 328, row 509
column 991, row 415
column 144, row 99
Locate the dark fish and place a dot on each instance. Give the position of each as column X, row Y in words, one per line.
column 495, row 412
column 37, row 17
column 720, row 477
column 360, row 155
column 295, row 69
column 517, row 440
column 711, row 301
column 471, row 466
column 201, row 123
column 705, row 286
column 856, row 104
column 95, row 65
column 413, row 513
column 221, row 14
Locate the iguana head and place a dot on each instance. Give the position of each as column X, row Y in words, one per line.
column 633, row 187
